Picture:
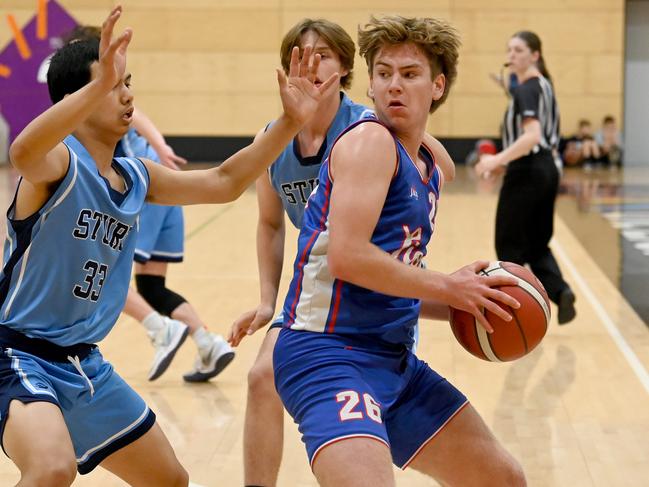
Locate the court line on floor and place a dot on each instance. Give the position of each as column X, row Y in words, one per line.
column 604, row 317
column 207, row 222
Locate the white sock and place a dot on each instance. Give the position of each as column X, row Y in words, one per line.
column 203, row 340
column 153, row 323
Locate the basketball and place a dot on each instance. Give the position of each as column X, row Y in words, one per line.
column 516, row 338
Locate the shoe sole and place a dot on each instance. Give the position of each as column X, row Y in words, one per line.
column 164, row 365
column 222, row 362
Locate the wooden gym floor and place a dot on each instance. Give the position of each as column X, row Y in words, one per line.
column 575, row 412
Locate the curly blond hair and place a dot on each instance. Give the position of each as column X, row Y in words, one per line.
column 437, row 39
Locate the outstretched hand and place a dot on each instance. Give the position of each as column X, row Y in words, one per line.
column 248, row 323
column 112, row 53
column 299, row 91
column 475, row 293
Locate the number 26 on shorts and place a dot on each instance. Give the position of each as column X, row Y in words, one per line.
column 351, row 400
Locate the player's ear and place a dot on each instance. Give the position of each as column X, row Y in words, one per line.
column 439, row 85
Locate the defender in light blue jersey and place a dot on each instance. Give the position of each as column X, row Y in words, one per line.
column 343, row 368
column 68, row 256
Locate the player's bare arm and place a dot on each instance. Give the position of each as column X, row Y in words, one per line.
column 356, row 202
column 300, row 99
column 270, row 259
column 38, row 153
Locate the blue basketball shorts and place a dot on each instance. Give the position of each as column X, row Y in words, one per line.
column 161, row 234
column 101, row 411
column 339, row 387
column 278, row 322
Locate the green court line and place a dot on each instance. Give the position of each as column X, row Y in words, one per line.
column 207, row 222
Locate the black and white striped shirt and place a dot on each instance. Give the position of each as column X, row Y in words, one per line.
column 533, row 99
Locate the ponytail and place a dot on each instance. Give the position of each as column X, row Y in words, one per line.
column 543, row 69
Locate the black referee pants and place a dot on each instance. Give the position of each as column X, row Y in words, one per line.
column 525, row 218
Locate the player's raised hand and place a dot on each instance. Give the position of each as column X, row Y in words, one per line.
column 472, row 292
column 112, row 52
column 300, row 92
column 249, row 322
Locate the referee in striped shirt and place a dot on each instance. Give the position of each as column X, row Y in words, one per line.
column 524, row 219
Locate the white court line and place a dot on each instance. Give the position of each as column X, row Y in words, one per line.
column 606, row 320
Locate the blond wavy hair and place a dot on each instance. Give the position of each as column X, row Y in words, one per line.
column 437, row 39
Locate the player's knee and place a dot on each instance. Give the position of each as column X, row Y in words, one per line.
column 153, row 290
column 511, row 474
column 516, row 475
column 181, row 478
column 261, row 379
column 52, row 471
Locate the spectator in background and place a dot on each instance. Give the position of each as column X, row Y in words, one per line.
column 581, row 148
column 609, row 140
column 482, row 147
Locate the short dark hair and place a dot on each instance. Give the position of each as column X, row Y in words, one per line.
column 69, row 69
column 584, row 123
column 82, row 32
column 608, row 119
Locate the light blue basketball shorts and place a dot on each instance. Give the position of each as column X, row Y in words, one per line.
column 102, row 412
column 161, row 234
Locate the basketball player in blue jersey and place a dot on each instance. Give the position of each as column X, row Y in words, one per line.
column 343, row 367
column 285, row 189
column 68, row 256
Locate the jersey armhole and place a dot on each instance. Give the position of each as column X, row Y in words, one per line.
column 353, row 126
column 146, row 172
column 16, row 223
column 435, row 167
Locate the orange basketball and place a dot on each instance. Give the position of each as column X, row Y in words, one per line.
column 513, row 339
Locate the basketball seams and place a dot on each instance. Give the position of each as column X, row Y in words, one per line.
column 485, row 344
column 476, row 326
column 520, row 328
column 506, row 346
column 532, row 291
column 525, row 285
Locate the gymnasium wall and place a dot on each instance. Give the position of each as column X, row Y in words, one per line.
column 206, row 67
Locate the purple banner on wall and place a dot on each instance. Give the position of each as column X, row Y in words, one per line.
column 23, row 92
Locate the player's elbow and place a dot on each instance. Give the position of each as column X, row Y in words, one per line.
column 18, row 154
column 536, row 137
column 340, row 261
column 226, row 189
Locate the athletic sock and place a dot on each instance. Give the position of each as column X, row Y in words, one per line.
column 153, row 323
column 203, row 340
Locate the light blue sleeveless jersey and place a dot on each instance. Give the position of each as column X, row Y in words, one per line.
column 318, row 302
column 66, row 268
column 294, row 177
